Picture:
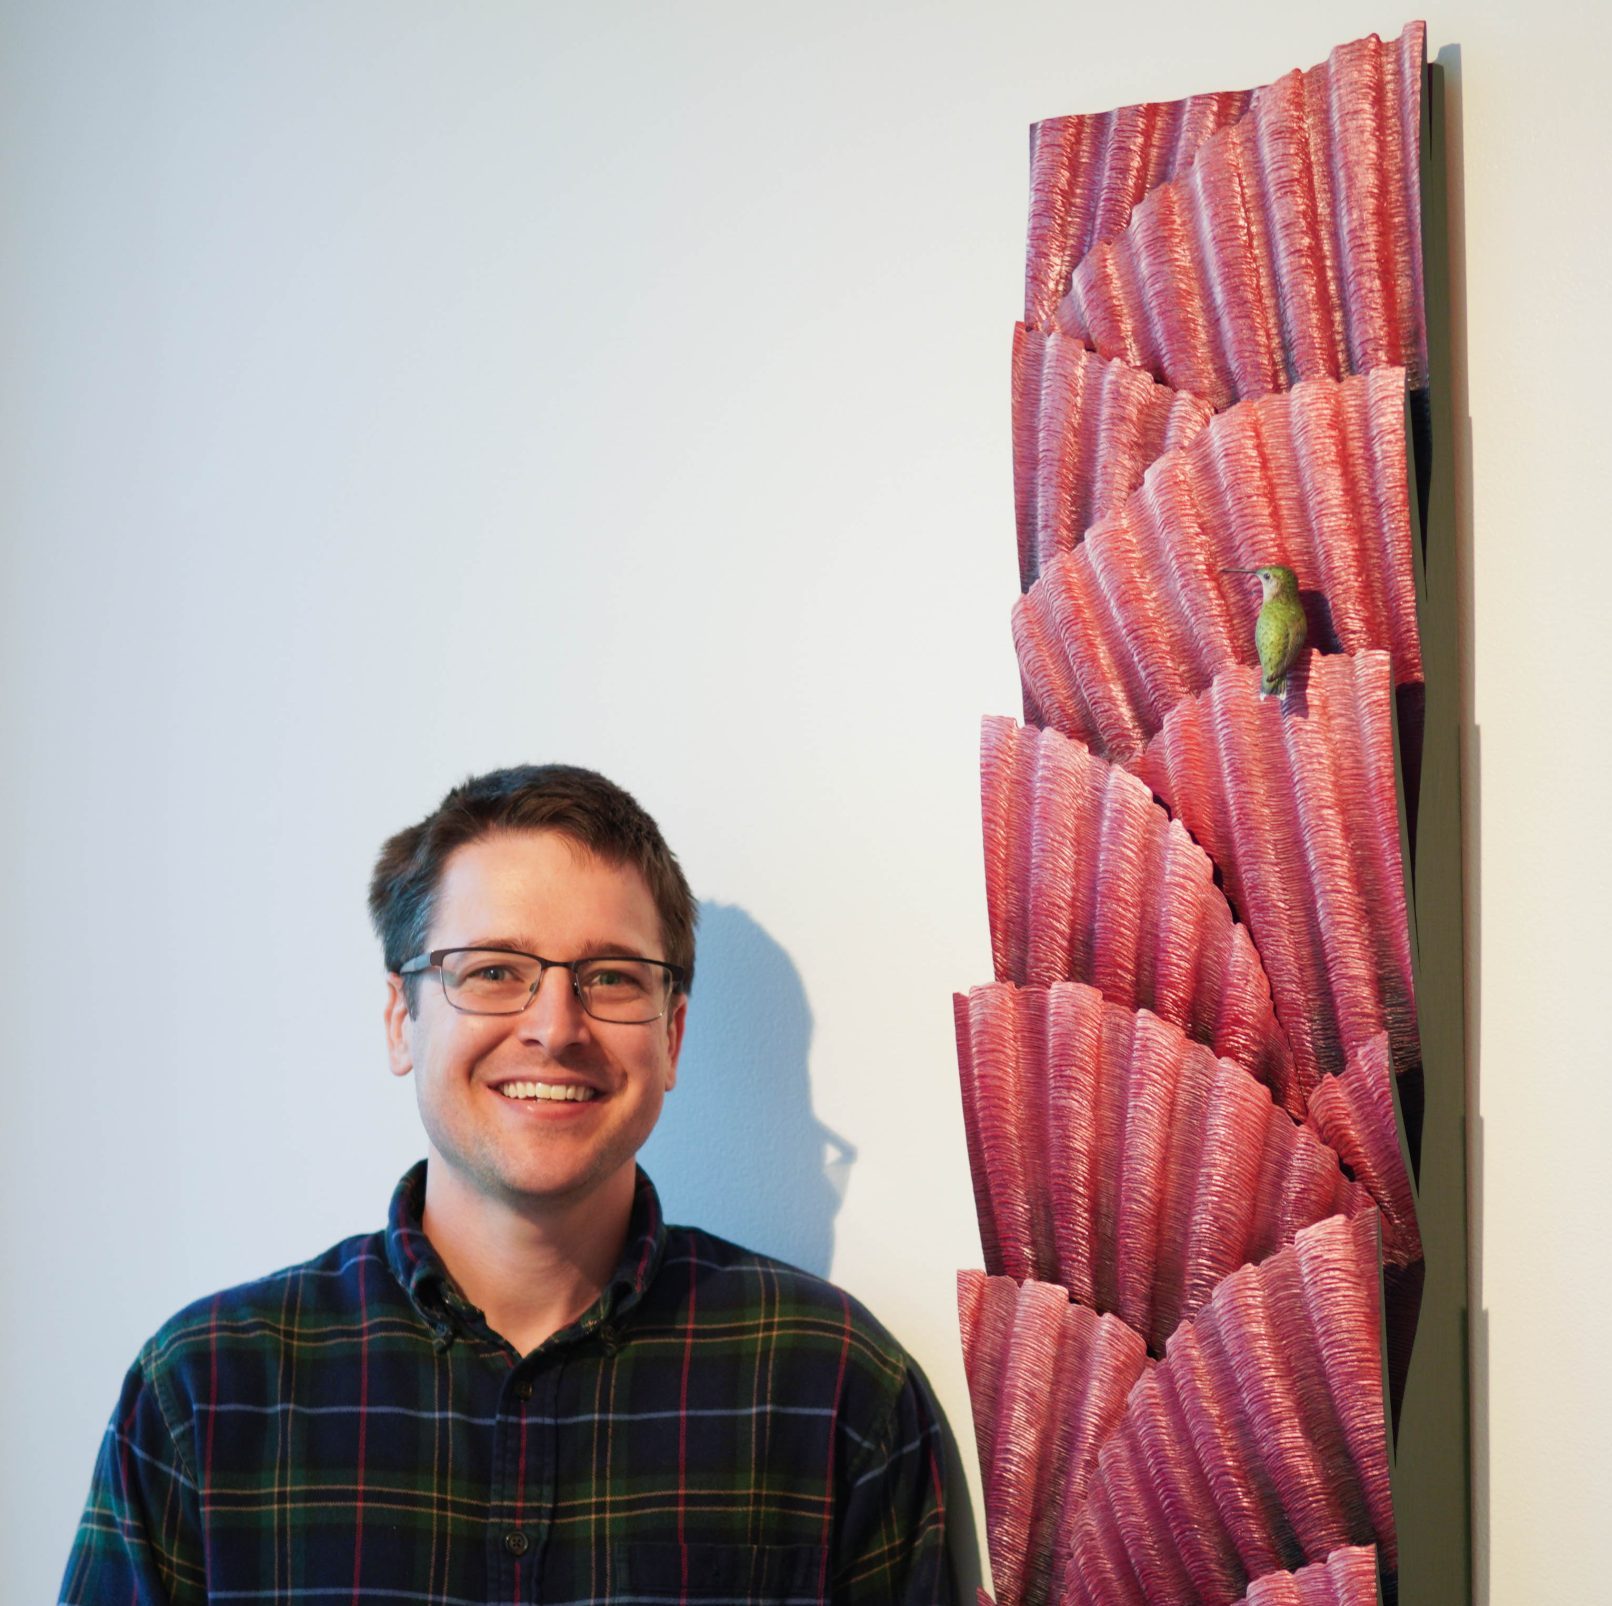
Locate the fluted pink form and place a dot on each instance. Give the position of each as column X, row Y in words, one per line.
column 1084, row 432
column 1142, row 613
column 1048, row 1382
column 1115, row 1157
column 1289, row 248
column 1256, row 1446
column 1293, row 797
column 1348, row 1577
column 1088, row 172
column 1353, row 1114
column 1088, row 879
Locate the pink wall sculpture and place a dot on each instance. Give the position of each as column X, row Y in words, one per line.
column 1183, row 1091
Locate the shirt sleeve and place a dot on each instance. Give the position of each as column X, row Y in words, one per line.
column 139, row 1540
column 891, row 1545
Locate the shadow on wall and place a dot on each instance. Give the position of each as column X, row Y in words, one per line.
column 738, row 1150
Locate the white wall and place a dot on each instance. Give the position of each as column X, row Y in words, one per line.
column 393, row 390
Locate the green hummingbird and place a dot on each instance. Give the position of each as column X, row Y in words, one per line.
column 1279, row 630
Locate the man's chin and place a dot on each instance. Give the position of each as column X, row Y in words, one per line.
column 544, row 1192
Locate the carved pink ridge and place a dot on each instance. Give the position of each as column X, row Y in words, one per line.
column 1048, row 1381
column 1293, row 797
column 1085, row 431
column 1087, row 172
column 1257, row 1445
column 1115, row 1157
column 1289, row 249
column 1348, row 1577
column 1088, row 879
column 1142, row 614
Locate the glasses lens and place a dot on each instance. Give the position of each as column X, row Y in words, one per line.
column 625, row 990
column 482, row 981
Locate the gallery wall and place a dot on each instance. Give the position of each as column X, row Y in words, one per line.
column 392, row 391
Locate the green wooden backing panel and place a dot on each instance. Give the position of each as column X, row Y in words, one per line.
column 1432, row 1477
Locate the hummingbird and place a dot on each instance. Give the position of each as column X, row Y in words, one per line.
column 1279, row 630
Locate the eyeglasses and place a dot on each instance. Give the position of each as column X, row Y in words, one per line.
column 619, row 988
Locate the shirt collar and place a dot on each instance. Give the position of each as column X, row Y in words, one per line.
column 418, row 1267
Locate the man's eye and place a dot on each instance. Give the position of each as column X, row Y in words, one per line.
column 614, row 978
column 492, row 973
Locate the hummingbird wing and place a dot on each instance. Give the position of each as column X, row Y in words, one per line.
column 1278, row 639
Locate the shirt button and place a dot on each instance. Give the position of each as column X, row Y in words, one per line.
column 523, row 1389
column 516, row 1543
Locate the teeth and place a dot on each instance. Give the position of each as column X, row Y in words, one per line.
column 547, row 1090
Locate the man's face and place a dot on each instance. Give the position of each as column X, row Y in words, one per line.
column 542, row 893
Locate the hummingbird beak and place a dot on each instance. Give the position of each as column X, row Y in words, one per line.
column 1239, row 571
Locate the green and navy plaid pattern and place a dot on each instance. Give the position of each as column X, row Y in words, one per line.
column 718, row 1427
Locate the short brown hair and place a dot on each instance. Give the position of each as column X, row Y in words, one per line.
column 578, row 803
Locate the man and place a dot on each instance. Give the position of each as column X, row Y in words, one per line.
column 528, row 1387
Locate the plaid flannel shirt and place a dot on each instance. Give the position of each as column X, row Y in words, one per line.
column 716, row 1427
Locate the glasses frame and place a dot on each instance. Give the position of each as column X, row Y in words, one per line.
column 421, row 963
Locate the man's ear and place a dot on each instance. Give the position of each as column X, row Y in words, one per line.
column 399, row 1048
column 676, row 1020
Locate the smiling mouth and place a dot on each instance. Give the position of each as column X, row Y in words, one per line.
column 559, row 1092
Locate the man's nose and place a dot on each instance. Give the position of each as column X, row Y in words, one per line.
column 555, row 1018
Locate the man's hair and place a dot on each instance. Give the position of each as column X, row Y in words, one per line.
column 577, row 803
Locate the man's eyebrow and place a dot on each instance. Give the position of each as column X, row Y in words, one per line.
column 614, row 948
column 594, row 948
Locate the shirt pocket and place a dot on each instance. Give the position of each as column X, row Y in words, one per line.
column 733, row 1575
